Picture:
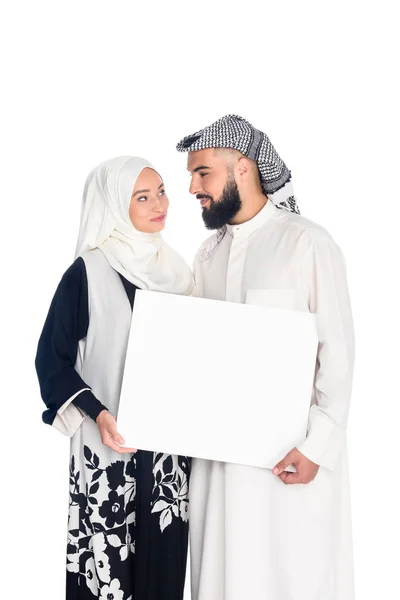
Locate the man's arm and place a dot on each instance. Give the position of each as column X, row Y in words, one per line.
column 325, row 274
column 324, row 277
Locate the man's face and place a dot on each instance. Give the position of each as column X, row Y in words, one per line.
column 213, row 183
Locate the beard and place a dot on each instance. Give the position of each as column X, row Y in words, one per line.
column 223, row 210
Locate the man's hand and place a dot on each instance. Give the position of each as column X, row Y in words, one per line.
column 306, row 470
column 110, row 437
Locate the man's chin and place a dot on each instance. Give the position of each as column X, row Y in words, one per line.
column 211, row 224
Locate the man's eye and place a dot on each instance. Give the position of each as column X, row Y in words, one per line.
column 162, row 193
column 203, row 175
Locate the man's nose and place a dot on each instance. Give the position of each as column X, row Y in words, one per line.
column 194, row 187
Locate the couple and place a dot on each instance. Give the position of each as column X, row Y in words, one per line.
column 255, row 534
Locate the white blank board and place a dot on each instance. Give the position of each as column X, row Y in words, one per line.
column 217, row 380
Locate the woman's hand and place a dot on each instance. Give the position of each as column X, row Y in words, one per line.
column 110, row 437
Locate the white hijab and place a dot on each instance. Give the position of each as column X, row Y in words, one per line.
column 142, row 258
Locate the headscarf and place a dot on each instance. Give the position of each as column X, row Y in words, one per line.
column 235, row 132
column 144, row 259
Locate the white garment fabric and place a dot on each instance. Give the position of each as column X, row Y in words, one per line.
column 69, row 417
column 144, row 259
column 252, row 536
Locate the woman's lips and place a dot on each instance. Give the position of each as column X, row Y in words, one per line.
column 159, row 219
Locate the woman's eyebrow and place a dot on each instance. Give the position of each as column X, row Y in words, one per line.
column 147, row 191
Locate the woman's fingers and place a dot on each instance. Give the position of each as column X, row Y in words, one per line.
column 118, row 438
column 111, row 443
column 110, row 435
column 123, row 450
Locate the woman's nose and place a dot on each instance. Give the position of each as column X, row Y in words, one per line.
column 159, row 205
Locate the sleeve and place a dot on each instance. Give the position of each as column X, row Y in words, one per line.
column 325, row 277
column 203, row 252
column 67, row 397
column 197, row 289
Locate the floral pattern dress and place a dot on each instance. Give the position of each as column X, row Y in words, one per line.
column 128, row 513
column 127, row 525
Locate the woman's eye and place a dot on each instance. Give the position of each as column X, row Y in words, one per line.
column 142, row 199
column 203, row 175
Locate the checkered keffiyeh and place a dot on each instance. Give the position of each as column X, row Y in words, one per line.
column 235, row 132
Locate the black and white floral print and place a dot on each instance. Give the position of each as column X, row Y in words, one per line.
column 102, row 518
column 171, row 488
column 107, row 498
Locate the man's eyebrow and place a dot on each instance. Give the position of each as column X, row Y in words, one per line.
column 147, row 191
column 200, row 168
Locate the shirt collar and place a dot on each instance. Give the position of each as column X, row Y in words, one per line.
column 245, row 229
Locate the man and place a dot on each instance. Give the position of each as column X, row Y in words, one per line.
column 259, row 534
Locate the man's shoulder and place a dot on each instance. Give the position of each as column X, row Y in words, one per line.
column 311, row 231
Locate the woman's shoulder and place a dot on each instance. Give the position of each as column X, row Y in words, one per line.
column 76, row 268
column 75, row 274
column 73, row 283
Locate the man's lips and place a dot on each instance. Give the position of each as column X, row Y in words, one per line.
column 203, row 201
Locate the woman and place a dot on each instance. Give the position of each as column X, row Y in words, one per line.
column 128, row 529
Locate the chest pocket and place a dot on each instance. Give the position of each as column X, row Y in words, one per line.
column 284, row 298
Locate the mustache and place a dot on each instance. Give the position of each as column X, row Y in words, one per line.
column 205, row 196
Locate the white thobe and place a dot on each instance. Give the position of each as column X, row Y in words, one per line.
column 252, row 536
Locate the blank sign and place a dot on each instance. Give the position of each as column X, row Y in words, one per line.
column 217, row 380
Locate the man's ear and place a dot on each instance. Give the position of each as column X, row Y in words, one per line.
column 242, row 166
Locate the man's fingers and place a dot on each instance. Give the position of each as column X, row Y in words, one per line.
column 282, row 476
column 289, row 478
column 306, row 470
column 285, row 462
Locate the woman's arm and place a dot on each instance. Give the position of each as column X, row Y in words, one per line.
column 66, row 324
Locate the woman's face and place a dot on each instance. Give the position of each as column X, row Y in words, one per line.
column 149, row 202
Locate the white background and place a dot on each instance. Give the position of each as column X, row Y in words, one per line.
column 88, row 80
